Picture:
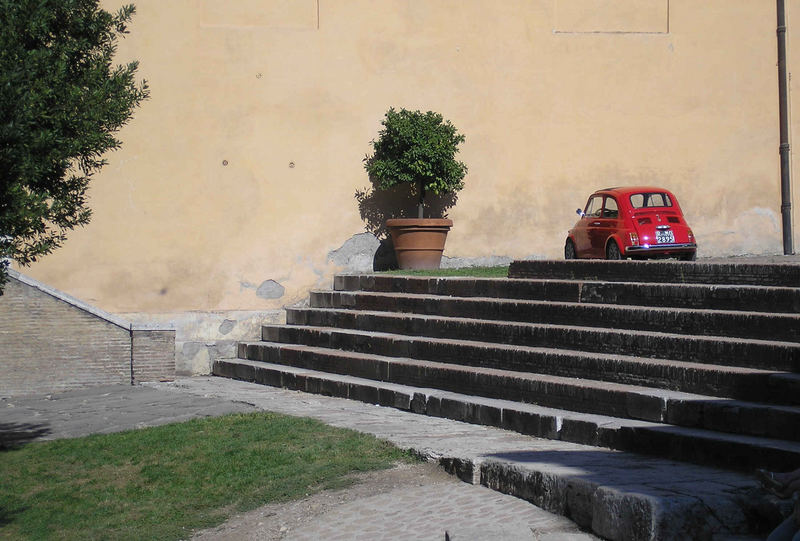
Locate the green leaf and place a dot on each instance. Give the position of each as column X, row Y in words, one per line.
column 61, row 102
column 415, row 147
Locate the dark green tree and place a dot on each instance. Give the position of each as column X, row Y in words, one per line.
column 61, row 102
column 419, row 149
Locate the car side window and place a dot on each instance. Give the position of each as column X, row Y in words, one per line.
column 594, row 207
column 611, row 210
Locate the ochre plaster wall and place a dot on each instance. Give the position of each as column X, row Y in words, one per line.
column 242, row 168
column 793, row 64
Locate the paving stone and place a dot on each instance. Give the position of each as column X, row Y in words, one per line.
column 632, row 496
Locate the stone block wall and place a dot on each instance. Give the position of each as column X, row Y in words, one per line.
column 51, row 342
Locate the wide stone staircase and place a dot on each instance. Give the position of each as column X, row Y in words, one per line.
column 687, row 361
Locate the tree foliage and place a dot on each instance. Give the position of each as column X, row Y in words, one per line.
column 419, row 149
column 61, row 102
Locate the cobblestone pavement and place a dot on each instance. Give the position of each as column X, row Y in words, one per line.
column 101, row 410
column 616, row 479
column 428, row 509
column 424, row 513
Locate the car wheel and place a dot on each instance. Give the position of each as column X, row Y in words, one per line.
column 612, row 250
column 569, row 250
column 688, row 257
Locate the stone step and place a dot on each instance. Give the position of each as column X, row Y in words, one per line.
column 735, row 452
column 451, row 339
column 777, row 275
column 758, row 325
column 616, row 495
column 742, row 383
column 585, row 396
column 705, row 296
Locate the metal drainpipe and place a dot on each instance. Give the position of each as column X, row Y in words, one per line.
column 133, row 380
column 786, row 195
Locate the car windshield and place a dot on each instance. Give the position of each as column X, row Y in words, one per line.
column 647, row 200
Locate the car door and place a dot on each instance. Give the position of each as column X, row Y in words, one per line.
column 603, row 225
column 582, row 230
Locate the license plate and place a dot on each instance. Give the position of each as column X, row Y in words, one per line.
column 665, row 237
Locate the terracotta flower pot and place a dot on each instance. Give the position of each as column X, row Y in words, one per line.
column 419, row 242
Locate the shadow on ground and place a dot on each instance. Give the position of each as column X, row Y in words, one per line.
column 14, row 435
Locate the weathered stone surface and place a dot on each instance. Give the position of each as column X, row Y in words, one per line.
column 741, row 323
column 778, row 275
column 660, row 364
column 583, row 395
column 699, row 350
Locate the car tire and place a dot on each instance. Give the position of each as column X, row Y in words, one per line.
column 688, row 257
column 569, row 250
column 612, row 250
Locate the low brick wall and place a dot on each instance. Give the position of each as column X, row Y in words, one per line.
column 50, row 342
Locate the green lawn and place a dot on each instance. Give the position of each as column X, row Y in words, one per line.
column 477, row 272
column 164, row 482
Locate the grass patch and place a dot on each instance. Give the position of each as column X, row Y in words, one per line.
column 477, row 272
column 164, row 482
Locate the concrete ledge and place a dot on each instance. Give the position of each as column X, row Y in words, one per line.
column 641, row 317
column 530, row 347
column 732, row 451
column 758, row 297
column 778, row 275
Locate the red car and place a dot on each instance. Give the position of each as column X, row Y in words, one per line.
column 637, row 222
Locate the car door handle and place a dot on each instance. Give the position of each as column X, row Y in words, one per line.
column 595, row 223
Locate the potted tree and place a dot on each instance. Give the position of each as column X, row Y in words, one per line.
column 417, row 149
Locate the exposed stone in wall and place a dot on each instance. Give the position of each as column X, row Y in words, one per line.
column 227, row 326
column 357, row 254
column 270, row 289
column 202, row 337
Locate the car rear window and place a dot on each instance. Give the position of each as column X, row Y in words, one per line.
column 647, row 200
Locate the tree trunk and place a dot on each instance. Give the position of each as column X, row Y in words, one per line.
column 421, row 199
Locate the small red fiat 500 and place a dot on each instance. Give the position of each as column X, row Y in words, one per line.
column 636, row 222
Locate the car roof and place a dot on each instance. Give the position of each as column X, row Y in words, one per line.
column 627, row 190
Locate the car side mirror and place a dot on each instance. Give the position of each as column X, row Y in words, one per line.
column 580, row 213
